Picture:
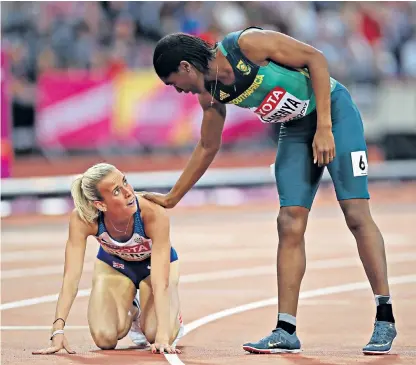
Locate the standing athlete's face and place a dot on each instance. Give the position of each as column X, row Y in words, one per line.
column 186, row 79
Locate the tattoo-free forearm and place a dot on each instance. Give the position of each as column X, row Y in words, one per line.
column 66, row 298
column 199, row 162
column 320, row 78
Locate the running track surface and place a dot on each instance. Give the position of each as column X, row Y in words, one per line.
column 227, row 257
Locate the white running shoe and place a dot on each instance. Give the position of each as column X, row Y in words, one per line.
column 181, row 331
column 135, row 333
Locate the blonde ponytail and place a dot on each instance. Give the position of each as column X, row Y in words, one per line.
column 87, row 211
column 84, row 190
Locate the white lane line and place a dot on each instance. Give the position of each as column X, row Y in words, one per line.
column 303, row 302
column 40, row 271
column 225, row 274
column 256, row 270
column 31, row 255
column 174, row 359
column 39, row 328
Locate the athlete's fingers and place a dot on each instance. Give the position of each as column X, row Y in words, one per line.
column 320, row 158
column 170, row 350
column 68, row 349
column 40, row 352
column 331, row 156
column 155, row 198
column 47, row 351
column 315, row 154
column 153, row 348
column 178, row 351
column 326, row 157
column 148, row 196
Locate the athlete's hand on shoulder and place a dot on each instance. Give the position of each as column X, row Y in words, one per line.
column 165, row 200
column 323, row 146
column 59, row 342
column 160, row 348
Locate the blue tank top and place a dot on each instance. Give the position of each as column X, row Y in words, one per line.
column 137, row 248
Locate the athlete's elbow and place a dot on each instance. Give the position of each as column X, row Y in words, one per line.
column 211, row 151
column 70, row 287
column 210, row 148
column 160, row 287
column 316, row 58
column 160, row 281
column 70, row 283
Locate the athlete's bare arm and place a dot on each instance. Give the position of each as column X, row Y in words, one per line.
column 205, row 151
column 74, row 263
column 157, row 227
column 259, row 46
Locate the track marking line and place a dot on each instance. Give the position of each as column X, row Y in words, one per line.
column 306, row 302
column 256, row 270
column 173, row 359
column 224, row 274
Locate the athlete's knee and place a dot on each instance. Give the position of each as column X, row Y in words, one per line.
column 105, row 338
column 291, row 222
column 357, row 214
column 149, row 330
column 123, row 328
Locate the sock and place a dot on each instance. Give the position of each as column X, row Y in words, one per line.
column 384, row 308
column 286, row 322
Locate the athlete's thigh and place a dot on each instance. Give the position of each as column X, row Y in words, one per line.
column 349, row 168
column 111, row 298
column 297, row 177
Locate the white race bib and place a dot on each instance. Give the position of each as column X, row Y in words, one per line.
column 359, row 163
column 281, row 106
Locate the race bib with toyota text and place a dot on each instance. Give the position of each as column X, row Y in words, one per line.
column 281, row 106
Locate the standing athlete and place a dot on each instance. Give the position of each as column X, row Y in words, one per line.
column 284, row 81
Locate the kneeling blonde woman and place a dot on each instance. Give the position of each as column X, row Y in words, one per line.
column 135, row 253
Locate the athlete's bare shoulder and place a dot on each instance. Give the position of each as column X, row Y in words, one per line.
column 77, row 224
column 253, row 43
column 148, row 208
column 260, row 45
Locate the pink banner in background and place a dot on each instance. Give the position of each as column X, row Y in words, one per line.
column 6, row 141
column 75, row 110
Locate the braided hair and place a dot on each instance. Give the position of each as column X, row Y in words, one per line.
column 177, row 47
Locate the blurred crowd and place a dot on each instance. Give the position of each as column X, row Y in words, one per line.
column 364, row 42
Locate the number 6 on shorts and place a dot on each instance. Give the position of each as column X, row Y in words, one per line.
column 359, row 163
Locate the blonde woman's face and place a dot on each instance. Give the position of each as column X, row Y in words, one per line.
column 118, row 195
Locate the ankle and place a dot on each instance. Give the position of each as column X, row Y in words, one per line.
column 384, row 308
column 286, row 322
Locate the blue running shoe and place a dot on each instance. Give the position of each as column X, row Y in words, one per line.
column 279, row 341
column 383, row 335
